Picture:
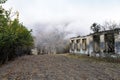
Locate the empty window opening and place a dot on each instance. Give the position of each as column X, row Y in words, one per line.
column 109, row 43
column 72, row 45
column 84, row 44
column 78, row 44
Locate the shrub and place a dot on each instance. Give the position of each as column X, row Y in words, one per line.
column 13, row 36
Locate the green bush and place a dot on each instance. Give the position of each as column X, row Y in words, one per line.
column 13, row 36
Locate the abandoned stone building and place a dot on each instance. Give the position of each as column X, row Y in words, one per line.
column 97, row 44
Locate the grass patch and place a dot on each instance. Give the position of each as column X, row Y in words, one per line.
column 94, row 59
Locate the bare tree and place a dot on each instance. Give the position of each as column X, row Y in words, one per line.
column 53, row 41
column 109, row 25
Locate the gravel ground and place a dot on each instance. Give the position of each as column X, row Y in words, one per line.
column 58, row 67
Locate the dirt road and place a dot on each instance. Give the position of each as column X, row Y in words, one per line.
column 58, row 67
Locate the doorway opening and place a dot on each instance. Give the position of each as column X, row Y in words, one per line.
column 96, row 45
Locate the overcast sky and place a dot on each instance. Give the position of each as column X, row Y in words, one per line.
column 79, row 13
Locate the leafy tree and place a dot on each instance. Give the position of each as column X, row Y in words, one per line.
column 95, row 27
column 14, row 36
column 2, row 1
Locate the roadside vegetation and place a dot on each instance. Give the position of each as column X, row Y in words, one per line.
column 94, row 59
column 15, row 38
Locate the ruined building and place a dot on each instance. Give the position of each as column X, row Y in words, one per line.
column 101, row 43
